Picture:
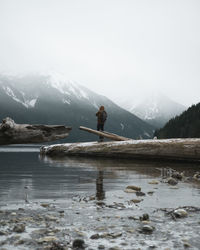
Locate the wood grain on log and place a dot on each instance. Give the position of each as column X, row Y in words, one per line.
column 169, row 149
column 105, row 134
column 12, row 133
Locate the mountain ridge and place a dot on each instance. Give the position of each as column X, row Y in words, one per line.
column 50, row 99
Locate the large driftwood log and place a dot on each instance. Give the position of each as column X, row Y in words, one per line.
column 170, row 149
column 105, row 134
column 12, row 133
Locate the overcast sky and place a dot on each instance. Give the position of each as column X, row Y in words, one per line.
column 118, row 48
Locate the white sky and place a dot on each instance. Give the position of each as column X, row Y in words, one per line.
column 118, row 48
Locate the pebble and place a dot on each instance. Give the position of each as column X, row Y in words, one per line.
column 95, row 236
column 135, row 201
column 150, row 192
column 186, row 245
column 19, row 228
column 44, row 205
column 180, row 213
column 19, row 242
column 115, row 248
column 3, row 233
column 147, row 229
column 154, row 182
column 78, row 244
column 196, row 176
column 152, row 246
column 177, row 175
column 172, row 181
column 134, row 188
column 51, row 218
column 129, row 190
column 139, row 193
column 144, row 217
column 101, row 247
column 47, row 239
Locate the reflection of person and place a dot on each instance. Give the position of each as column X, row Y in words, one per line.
column 100, row 193
column 101, row 118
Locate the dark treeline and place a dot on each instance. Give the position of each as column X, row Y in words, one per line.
column 186, row 125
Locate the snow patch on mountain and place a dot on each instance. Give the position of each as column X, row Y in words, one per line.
column 122, row 126
column 26, row 103
column 66, row 101
column 66, row 87
column 147, row 134
column 31, row 103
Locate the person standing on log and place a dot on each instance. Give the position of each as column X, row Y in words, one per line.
column 101, row 118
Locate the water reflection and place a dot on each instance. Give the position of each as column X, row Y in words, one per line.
column 61, row 178
column 100, row 193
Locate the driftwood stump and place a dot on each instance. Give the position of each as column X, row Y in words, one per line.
column 12, row 133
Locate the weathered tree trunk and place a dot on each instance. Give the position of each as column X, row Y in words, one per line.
column 105, row 134
column 12, row 133
column 169, row 149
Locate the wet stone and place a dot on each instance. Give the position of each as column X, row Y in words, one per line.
column 47, row 239
column 177, row 175
column 152, row 247
column 135, row 201
column 147, row 229
column 78, row 244
column 20, row 242
column 144, row 217
column 134, row 188
column 57, row 246
column 150, row 192
column 44, row 205
column 21, row 209
column 180, row 213
column 196, row 176
column 154, row 182
column 172, row 181
column 139, row 193
column 3, row 233
column 186, row 245
column 101, row 247
column 129, row 190
column 115, row 248
column 20, row 228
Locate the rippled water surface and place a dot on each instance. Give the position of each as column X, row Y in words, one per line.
column 24, row 174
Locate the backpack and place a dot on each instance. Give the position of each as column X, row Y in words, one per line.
column 103, row 116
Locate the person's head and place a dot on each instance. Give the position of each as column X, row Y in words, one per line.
column 101, row 108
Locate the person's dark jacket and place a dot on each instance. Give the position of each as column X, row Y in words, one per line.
column 101, row 116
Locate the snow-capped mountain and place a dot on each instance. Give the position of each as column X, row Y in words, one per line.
column 51, row 99
column 157, row 109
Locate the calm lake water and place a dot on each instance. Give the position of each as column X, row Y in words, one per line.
column 23, row 173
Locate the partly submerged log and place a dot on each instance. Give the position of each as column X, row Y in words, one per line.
column 12, row 133
column 169, row 149
column 105, row 134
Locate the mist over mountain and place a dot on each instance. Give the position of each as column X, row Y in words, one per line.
column 186, row 125
column 51, row 99
column 156, row 109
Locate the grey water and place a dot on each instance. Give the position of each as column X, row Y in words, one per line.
column 24, row 173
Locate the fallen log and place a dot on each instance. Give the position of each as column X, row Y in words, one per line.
column 169, row 149
column 12, row 133
column 105, row 134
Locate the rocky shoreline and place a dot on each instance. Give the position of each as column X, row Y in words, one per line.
column 121, row 221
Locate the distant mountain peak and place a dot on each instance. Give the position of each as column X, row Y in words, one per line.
column 156, row 108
